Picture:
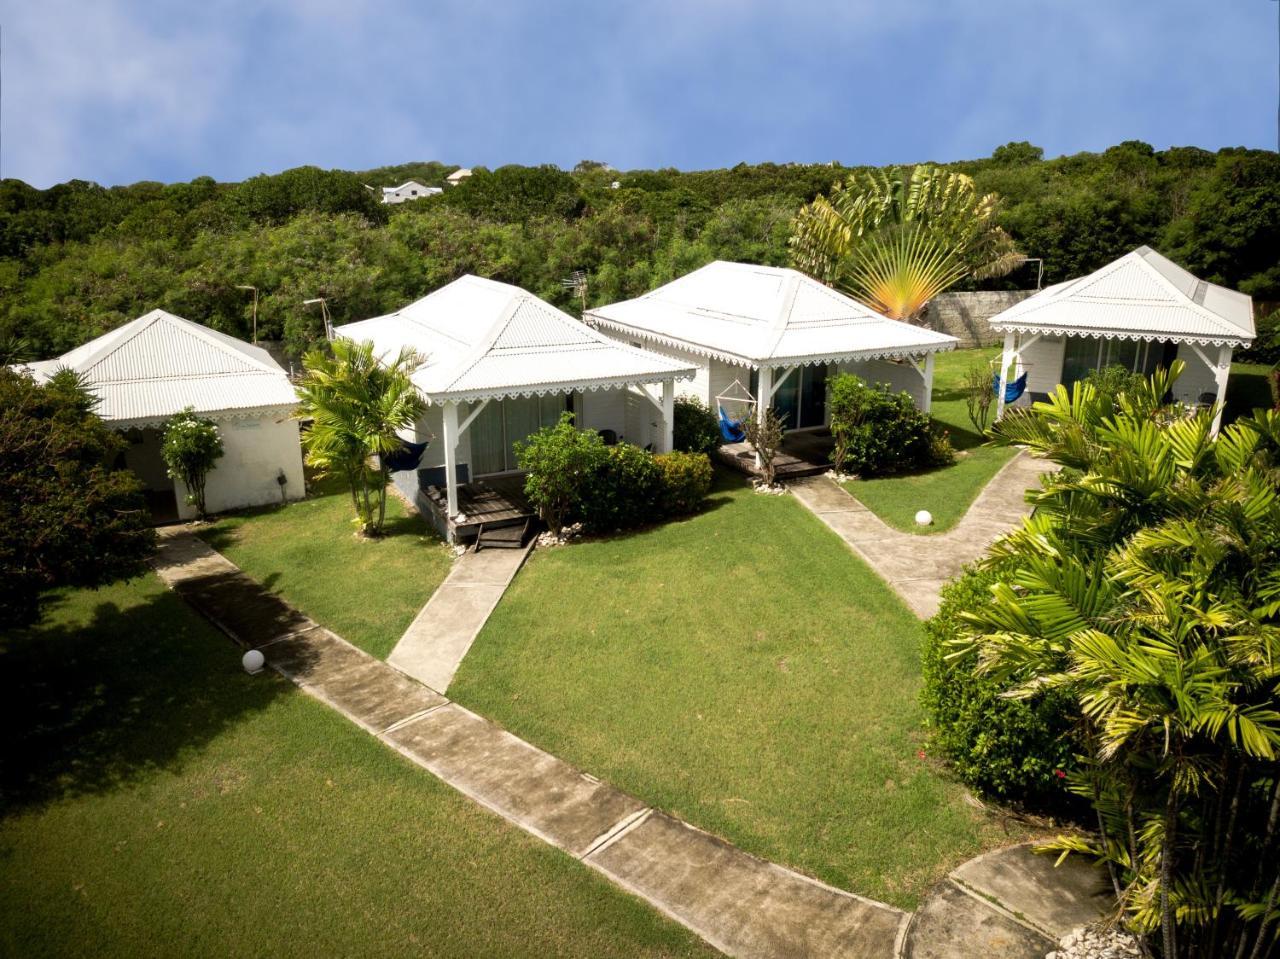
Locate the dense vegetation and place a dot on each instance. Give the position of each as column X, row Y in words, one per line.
column 78, row 259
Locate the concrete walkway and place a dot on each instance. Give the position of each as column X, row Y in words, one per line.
column 432, row 648
column 740, row 904
column 916, row 565
column 1008, row 904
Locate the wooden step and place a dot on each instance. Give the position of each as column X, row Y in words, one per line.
column 502, row 537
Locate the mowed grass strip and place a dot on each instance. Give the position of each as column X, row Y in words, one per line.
column 367, row 591
column 158, row 801
column 949, row 491
column 742, row 670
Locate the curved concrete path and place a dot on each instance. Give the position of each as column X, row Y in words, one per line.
column 742, row 905
column 916, row 565
column 1007, row 904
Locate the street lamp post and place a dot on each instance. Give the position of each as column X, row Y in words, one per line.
column 246, row 286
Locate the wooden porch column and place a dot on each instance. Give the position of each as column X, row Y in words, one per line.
column 1005, row 359
column 451, row 434
column 1220, row 373
column 764, row 397
column 668, row 415
column 928, row 382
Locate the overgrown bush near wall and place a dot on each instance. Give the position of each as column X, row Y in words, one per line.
column 877, row 432
column 573, row 476
column 1012, row 749
column 695, row 429
column 624, row 492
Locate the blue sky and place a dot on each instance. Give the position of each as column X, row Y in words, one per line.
column 119, row 91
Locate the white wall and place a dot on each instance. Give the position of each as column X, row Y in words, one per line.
column 603, row 410
column 1197, row 378
column 1042, row 362
column 255, row 451
column 896, row 376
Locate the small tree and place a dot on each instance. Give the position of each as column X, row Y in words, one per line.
column 190, row 448
column 561, row 461
column 764, row 433
column 845, row 407
column 68, row 516
column 357, row 403
column 979, row 394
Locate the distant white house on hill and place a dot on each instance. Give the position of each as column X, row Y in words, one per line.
column 409, row 190
column 457, row 176
column 158, row 365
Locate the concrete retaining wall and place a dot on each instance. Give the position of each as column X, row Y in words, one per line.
column 967, row 316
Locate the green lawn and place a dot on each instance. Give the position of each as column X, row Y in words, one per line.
column 158, row 801
column 742, row 670
column 946, row 492
column 366, row 591
column 1247, row 390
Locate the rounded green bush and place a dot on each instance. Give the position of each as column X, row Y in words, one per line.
column 694, row 428
column 686, row 481
column 1012, row 749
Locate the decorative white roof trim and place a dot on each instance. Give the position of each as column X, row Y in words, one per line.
column 544, row 389
column 736, row 360
column 1121, row 334
column 248, row 413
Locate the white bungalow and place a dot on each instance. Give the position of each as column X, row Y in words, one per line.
column 501, row 364
column 767, row 335
column 159, row 364
column 409, row 190
column 1141, row 312
column 457, row 176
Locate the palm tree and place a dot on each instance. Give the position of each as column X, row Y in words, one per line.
column 896, row 238
column 1148, row 591
column 356, row 404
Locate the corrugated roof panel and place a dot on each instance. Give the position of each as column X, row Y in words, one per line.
column 707, row 311
column 1142, row 294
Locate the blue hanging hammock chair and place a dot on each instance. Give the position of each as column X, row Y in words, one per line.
column 1012, row 390
column 731, row 429
column 406, row 457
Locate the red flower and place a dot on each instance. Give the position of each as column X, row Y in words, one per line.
column 1060, row 774
column 920, row 754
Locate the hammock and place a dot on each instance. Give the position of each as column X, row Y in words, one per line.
column 730, row 429
column 1013, row 389
column 406, row 457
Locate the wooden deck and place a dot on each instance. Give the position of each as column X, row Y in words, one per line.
column 802, row 454
column 494, row 501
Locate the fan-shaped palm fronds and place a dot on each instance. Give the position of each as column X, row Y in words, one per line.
column 897, row 238
column 357, row 403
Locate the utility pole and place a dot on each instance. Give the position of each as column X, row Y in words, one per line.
column 324, row 312
column 246, row 286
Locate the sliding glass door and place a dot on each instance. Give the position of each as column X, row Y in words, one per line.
column 801, row 398
column 503, row 423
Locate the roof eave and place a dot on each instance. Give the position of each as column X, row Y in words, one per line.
column 564, row 386
column 1199, row 339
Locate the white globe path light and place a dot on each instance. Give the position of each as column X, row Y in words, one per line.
column 924, row 518
column 253, row 661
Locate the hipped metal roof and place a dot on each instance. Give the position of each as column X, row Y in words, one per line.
column 763, row 315
column 1141, row 296
column 157, row 365
column 482, row 339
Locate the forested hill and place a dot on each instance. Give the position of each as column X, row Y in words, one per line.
column 79, row 259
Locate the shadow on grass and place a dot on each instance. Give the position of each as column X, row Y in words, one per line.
column 94, row 707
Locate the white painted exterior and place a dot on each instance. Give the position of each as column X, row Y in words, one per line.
column 158, row 365
column 407, row 191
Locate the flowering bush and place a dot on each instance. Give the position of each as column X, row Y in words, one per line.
column 191, row 446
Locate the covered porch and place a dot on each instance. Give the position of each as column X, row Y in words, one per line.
column 803, row 453
column 491, row 503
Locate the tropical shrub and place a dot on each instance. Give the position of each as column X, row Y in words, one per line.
column 1115, row 379
column 357, row 404
column 686, row 481
column 625, row 490
column 68, row 515
column 191, row 447
column 1145, row 591
column 1015, row 750
column 562, row 462
column 877, row 432
column 694, row 428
